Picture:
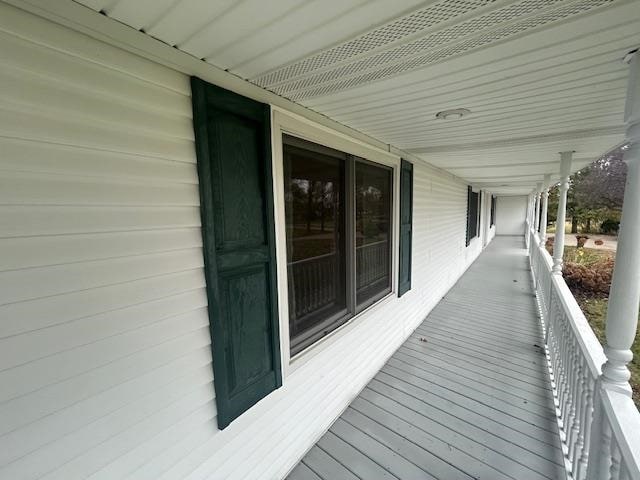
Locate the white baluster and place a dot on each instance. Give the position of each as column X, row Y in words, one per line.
column 571, row 407
column 604, row 460
column 562, row 374
column 576, row 401
column 581, row 471
column 582, row 416
column 624, row 474
column 614, row 471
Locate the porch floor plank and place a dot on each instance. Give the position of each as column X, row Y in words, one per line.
column 466, row 396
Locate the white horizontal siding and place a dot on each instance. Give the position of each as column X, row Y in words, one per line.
column 105, row 361
column 510, row 214
column 104, row 341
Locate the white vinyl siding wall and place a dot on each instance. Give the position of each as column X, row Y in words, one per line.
column 105, row 362
column 510, row 215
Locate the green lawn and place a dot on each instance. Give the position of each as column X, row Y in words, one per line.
column 586, row 256
column 595, row 309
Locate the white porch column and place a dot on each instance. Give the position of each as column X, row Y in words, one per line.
column 536, row 217
column 624, row 297
column 529, row 222
column 558, row 243
column 545, row 207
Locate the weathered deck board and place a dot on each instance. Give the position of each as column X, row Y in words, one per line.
column 466, row 396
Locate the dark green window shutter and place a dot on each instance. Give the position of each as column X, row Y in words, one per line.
column 469, row 206
column 234, row 167
column 493, row 211
column 406, row 221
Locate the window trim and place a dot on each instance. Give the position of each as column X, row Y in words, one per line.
column 284, row 122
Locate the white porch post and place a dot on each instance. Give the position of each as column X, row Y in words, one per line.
column 624, row 297
column 545, row 207
column 558, row 243
column 536, row 219
column 528, row 223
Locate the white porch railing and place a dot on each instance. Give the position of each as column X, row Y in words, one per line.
column 600, row 428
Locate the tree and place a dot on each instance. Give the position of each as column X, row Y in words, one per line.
column 602, row 183
column 595, row 192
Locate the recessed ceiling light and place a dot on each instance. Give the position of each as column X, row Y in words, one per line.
column 453, row 114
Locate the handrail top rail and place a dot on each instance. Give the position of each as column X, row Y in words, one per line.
column 589, row 343
column 364, row 245
column 311, row 259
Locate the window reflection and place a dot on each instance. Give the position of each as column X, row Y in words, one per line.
column 314, row 207
column 373, row 226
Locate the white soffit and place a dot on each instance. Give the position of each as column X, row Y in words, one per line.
column 539, row 76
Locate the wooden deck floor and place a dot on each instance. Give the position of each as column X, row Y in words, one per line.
column 466, row 396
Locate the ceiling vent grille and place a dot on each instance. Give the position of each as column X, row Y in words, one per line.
column 380, row 37
column 425, row 51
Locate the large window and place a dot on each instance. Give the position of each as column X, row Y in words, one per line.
column 338, row 222
column 473, row 214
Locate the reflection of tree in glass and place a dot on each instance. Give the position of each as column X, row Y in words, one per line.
column 372, row 207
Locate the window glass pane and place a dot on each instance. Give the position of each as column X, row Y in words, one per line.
column 316, row 245
column 373, row 232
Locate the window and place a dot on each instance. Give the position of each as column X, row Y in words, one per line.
column 338, row 223
column 473, row 217
column 373, row 236
column 493, row 210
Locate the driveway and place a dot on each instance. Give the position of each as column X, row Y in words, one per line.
column 610, row 242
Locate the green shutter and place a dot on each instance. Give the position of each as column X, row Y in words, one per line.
column 234, row 167
column 469, row 202
column 406, row 221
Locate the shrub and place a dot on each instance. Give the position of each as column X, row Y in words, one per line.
column 599, row 242
column 582, row 239
column 594, row 278
column 549, row 245
column 610, row 226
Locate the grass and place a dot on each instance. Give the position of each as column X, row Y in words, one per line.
column 594, row 307
column 586, row 256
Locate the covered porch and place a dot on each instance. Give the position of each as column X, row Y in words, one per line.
column 468, row 395
column 470, row 358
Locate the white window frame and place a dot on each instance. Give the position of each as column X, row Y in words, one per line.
column 283, row 122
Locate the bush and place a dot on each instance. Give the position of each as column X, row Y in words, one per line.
column 599, row 242
column 581, row 239
column 594, row 278
column 610, row 226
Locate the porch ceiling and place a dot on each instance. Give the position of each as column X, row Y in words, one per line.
column 539, row 76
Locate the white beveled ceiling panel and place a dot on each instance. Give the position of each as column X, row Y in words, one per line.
column 539, row 76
